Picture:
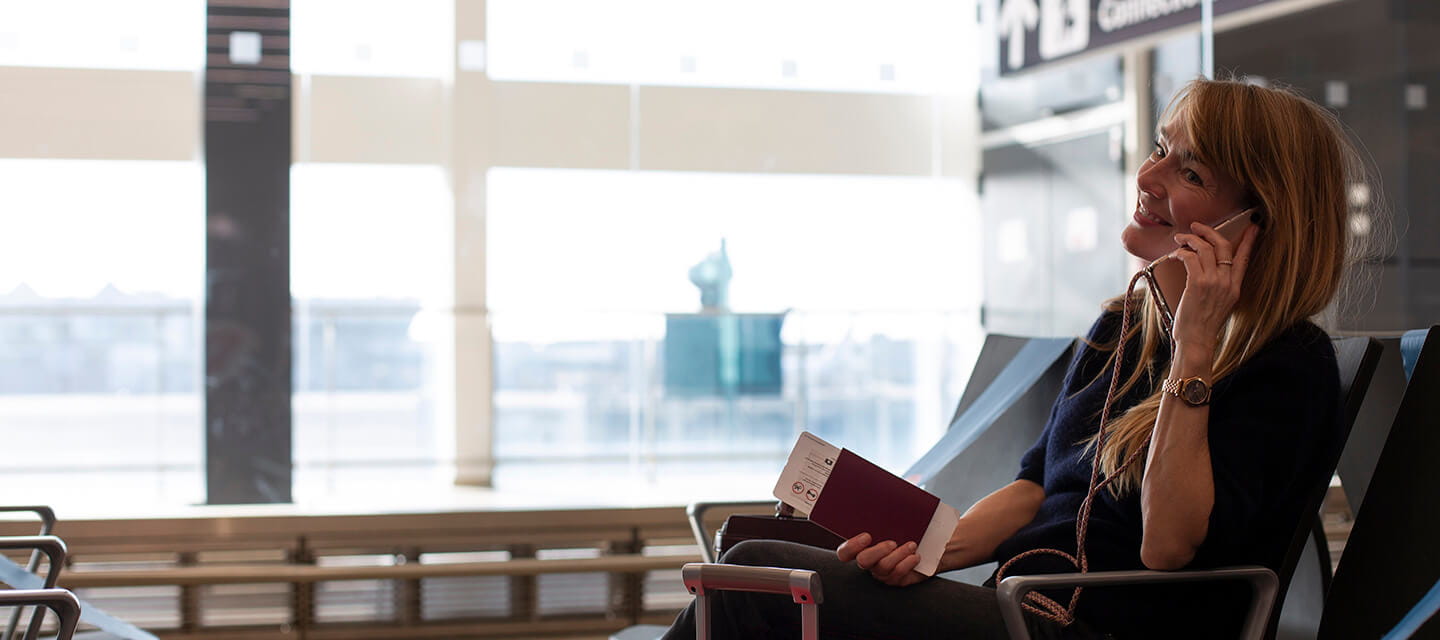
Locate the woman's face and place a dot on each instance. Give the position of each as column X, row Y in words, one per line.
column 1175, row 190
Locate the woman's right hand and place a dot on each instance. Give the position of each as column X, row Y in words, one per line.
column 891, row 563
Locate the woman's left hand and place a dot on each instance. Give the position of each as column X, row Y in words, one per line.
column 891, row 563
column 1214, row 269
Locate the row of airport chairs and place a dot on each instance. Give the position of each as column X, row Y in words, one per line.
column 1387, row 467
column 25, row 592
column 32, row 587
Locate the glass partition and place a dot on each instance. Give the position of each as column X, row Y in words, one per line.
column 1053, row 213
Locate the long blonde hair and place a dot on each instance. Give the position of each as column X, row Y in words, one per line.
column 1295, row 162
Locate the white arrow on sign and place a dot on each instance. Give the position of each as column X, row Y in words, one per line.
column 1017, row 17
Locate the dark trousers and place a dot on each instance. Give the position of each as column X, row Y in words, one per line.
column 856, row 605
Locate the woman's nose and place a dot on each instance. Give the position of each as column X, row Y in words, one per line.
column 1147, row 181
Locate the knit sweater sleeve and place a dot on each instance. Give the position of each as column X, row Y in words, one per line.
column 1271, row 424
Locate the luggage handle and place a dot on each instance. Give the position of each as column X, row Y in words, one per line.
column 803, row 587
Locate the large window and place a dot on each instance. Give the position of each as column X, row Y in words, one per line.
column 100, row 269
column 367, row 274
column 456, row 212
column 102, row 251
column 872, row 279
column 371, row 226
column 851, row 237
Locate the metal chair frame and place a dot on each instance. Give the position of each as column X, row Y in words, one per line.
column 65, row 605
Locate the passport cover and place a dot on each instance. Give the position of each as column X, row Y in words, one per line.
column 861, row 497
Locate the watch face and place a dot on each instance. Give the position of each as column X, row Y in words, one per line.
column 1195, row 391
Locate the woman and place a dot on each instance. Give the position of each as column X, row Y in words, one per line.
column 1212, row 481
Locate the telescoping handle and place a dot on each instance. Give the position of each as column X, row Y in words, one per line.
column 803, row 587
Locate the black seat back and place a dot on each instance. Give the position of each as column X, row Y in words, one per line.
column 1372, row 426
column 1390, row 560
column 1356, row 358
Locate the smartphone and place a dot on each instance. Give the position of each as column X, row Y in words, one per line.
column 1170, row 266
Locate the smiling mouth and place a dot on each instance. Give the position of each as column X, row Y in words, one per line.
column 1152, row 217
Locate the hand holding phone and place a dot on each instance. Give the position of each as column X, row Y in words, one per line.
column 1170, row 267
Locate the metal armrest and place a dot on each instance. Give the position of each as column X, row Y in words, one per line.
column 54, row 549
column 1012, row 591
column 47, row 525
column 47, row 516
column 696, row 513
column 65, row 605
column 51, row 546
column 802, row 585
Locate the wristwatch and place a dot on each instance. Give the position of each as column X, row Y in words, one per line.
column 1193, row 390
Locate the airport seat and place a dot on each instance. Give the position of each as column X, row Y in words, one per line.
column 25, row 577
column 63, row 603
column 994, row 425
column 1305, row 599
column 1389, row 561
column 1417, row 617
column 1357, row 358
column 1411, row 344
column 1372, row 426
column 1000, row 415
column 52, row 549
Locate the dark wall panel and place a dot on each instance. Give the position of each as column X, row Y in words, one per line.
column 1385, row 56
column 247, row 271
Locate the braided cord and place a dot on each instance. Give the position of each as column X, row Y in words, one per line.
column 1036, row 602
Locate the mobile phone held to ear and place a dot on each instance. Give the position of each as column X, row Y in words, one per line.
column 1169, row 265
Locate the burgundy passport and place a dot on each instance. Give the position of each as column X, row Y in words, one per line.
column 861, row 497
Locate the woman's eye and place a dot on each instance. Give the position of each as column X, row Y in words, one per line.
column 1159, row 151
column 1193, row 177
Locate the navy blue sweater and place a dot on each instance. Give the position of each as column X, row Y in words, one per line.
column 1272, row 435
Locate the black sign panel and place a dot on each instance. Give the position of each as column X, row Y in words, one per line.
column 1026, row 33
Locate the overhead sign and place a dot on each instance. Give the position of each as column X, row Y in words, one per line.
column 1027, row 33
